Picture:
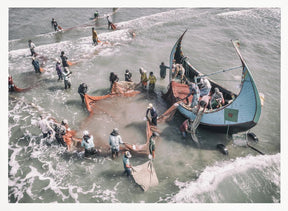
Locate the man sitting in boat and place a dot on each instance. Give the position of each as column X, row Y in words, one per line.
column 217, row 99
column 205, row 86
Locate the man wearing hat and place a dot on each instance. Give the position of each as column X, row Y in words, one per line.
column 126, row 163
column 153, row 114
column 88, row 144
column 114, row 141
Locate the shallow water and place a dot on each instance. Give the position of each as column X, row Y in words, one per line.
column 186, row 172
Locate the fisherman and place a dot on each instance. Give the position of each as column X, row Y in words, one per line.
column 114, row 141
column 64, row 59
column 144, row 79
column 54, row 24
column 66, row 76
column 36, row 65
column 185, row 126
column 217, row 99
column 96, row 14
column 163, row 68
column 179, row 71
column 60, row 131
column 82, row 90
column 11, row 84
column 204, row 86
column 94, row 36
column 203, row 103
column 32, row 47
column 128, row 76
column 88, row 144
column 152, row 140
column 195, row 92
column 153, row 114
column 59, row 70
column 45, row 127
column 113, row 78
column 109, row 22
column 152, row 81
column 126, row 163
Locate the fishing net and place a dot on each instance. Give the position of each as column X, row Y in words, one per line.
column 145, row 175
column 169, row 113
column 14, row 88
column 122, row 88
column 142, row 148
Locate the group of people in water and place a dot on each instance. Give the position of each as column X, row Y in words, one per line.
column 61, row 131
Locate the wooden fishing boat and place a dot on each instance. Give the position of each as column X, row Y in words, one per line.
column 240, row 112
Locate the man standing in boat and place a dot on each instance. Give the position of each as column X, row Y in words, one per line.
column 195, row 92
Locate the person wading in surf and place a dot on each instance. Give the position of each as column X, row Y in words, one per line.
column 126, row 163
column 114, row 141
column 82, row 90
column 153, row 114
column 88, row 144
column 94, row 36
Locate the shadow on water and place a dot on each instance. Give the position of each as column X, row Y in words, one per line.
column 139, row 126
column 55, row 88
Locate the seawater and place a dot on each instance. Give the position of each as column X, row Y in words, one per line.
column 187, row 173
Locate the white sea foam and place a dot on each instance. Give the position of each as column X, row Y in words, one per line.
column 212, row 176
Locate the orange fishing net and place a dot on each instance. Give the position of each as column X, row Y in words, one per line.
column 122, row 88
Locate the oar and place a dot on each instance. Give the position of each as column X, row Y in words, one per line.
column 255, row 149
